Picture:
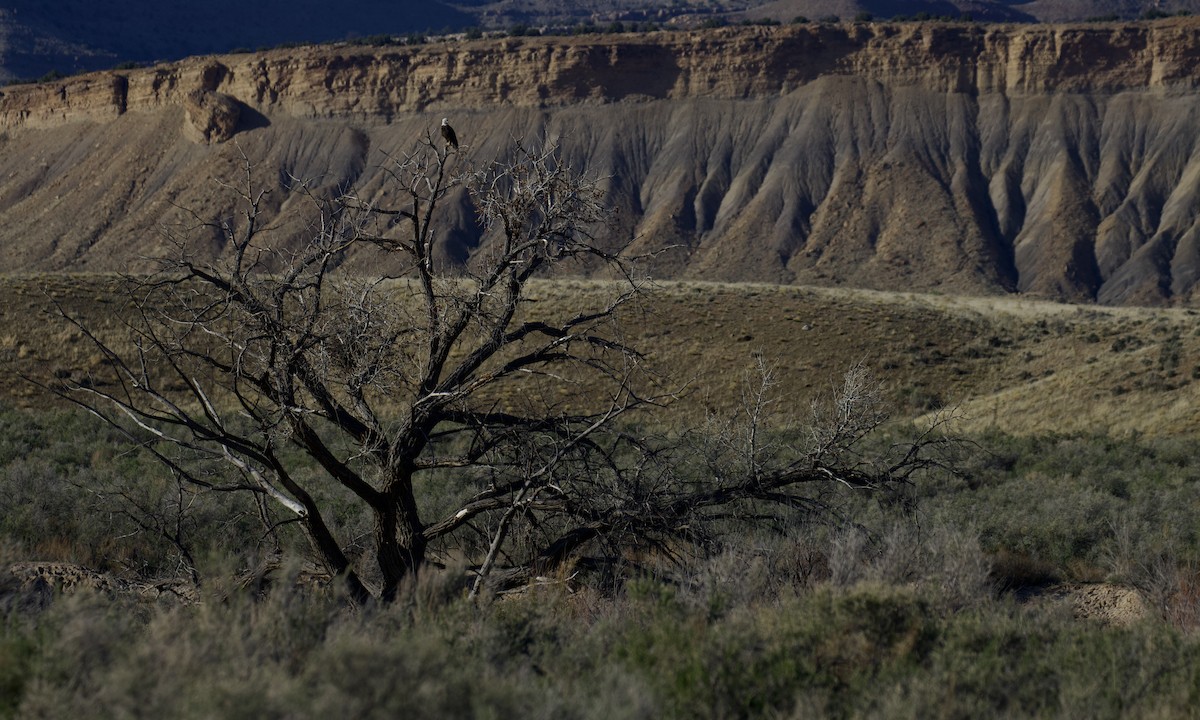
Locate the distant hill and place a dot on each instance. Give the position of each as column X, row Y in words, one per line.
column 979, row 10
column 71, row 36
column 1058, row 161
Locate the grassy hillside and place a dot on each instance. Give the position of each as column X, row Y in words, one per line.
column 1004, row 364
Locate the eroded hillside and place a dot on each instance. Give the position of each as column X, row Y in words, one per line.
column 1057, row 160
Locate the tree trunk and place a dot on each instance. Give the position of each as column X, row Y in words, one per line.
column 399, row 545
column 328, row 549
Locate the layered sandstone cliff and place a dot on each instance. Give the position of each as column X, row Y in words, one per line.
column 1057, row 160
column 736, row 63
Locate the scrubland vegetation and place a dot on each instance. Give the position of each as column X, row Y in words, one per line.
column 928, row 604
column 1052, row 575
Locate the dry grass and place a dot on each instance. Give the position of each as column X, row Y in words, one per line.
column 1010, row 364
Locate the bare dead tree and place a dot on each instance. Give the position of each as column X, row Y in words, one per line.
column 271, row 362
column 381, row 381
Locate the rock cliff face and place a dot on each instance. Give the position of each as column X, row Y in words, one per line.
column 1055, row 160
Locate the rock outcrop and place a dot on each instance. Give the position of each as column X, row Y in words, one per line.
column 1060, row 161
column 212, row 117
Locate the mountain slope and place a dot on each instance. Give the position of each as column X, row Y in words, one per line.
column 1057, row 161
column 72, row 36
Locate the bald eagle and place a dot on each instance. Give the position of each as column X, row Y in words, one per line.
column 448, row 134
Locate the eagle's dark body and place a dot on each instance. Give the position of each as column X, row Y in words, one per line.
column 448, row 133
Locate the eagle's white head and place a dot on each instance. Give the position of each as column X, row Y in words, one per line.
column 445, row 121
